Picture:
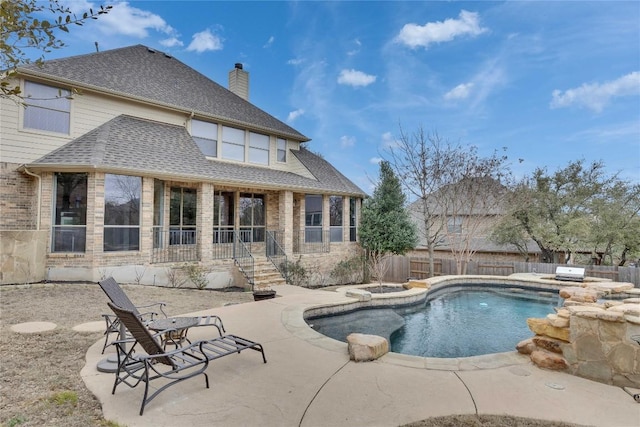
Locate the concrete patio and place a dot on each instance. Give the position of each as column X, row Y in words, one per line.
column 310, row 381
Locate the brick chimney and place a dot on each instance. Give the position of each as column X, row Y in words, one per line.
column 239, row 82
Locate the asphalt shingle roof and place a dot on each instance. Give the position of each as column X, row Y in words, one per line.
column 147, row 74
column 138, row 146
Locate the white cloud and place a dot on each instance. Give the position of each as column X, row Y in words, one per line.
column 414, row 35
column 294, row 115
column 355, row 78
column 347, row 141
column 131, row 21
column 295, row 61
column 462, row 91
column 171, row 42
column 355, row 50
column 205, row 41
column 388, row 140
column 596, row 96
column 269, row 42
column 375, row 160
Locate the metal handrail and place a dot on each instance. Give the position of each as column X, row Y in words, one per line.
column 276, row 254
column 243, row 259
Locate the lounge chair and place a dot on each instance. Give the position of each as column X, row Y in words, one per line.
column 120, row 299
column 176, row 365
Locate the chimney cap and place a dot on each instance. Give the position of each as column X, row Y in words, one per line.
column 239, row 65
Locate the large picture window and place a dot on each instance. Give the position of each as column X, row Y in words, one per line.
column 122, row 212
column 205, row 134
column 182, row 216
column 335, row 218
column 313, row 218
column 70, row 213
column 258, row 148
column 47, row 108
column 353, row 236
column 252, row 217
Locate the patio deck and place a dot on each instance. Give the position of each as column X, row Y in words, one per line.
column 309, row 381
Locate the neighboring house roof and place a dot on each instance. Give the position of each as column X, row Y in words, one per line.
column 142, row 73
column 484, row 244
column 132, row 145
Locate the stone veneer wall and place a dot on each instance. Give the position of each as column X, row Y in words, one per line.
column 22, row 256
column 590, row 337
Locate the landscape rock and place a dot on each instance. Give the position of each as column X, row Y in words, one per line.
column 549, row 344
column 547, row 360
column 543, row 327
column 364, row 348
column 526, row 346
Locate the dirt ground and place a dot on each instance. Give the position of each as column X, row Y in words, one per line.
column 40, row 383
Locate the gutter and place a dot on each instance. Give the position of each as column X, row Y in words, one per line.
column 24, row 169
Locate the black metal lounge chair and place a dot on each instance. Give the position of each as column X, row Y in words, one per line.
column 176, row 365
column 120, row 299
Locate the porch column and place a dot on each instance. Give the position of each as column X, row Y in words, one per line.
column 146, row 219
column 346, row 215
column 326, row 218
column 285, row 220
column 204, row 221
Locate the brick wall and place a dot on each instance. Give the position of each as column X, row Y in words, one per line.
column 18, row 198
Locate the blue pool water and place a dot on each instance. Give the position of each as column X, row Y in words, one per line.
column 456, row 324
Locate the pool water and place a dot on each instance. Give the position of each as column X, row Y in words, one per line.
column 455, row 324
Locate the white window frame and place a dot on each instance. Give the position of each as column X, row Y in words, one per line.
column 259, row 148
column 233, row 143
column 46, row 107
column 205, row 134
column 281, row 147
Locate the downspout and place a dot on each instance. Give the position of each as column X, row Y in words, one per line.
column 24, row 168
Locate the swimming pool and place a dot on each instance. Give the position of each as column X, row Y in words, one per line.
column 457, row 322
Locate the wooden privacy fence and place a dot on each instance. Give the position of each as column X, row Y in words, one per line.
column 403, row 267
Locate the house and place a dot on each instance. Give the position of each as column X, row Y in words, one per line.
column 130, row 163
column 462, row 216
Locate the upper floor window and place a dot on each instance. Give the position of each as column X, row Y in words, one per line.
column 48, row 108
column 205, row 134
column 282, row 150
column 258, row 148
column 454, row 224
column 232, row 143
column 122, row 195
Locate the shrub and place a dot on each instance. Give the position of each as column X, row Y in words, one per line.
column 198, row 275
column 297, row 275
column 348, row 271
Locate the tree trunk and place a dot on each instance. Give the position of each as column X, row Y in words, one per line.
column 431, row 263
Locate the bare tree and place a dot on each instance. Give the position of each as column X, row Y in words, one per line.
column 457, row 193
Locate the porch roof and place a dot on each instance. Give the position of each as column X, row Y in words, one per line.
column 130, row 145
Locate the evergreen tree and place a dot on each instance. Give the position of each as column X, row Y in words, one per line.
column 385, row 226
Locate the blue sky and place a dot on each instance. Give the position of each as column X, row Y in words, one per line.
column 550, row 81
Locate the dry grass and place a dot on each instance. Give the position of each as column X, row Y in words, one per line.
column 40, row 383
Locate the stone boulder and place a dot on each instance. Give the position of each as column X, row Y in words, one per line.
column 526, row 346
column 543, row 327
column 576, row 293
column 547, row 360
column 549, row 344
column 364, row 348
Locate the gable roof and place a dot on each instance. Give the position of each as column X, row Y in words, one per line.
column 131, row 145
column 148, row 75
